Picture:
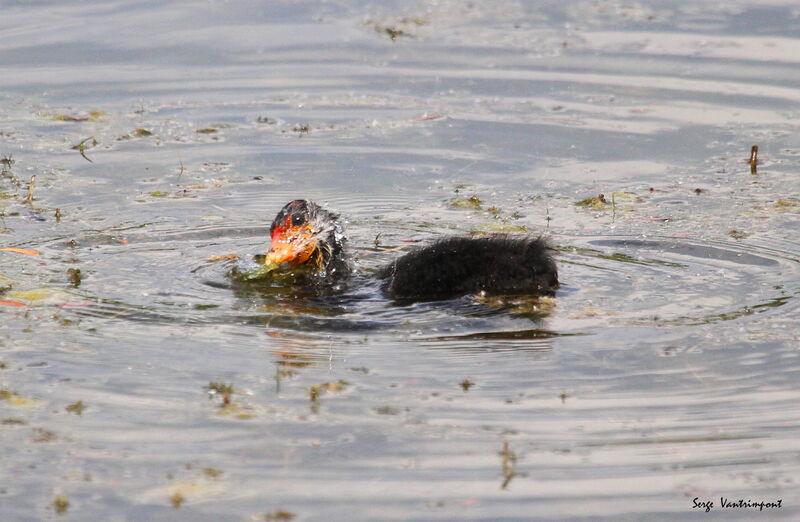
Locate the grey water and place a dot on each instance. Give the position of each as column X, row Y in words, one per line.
column 137, row 383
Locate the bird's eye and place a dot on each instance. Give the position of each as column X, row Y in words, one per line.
column 298, row 220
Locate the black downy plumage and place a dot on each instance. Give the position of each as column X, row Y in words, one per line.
column 450, row 267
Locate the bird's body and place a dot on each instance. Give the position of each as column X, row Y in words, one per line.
column 465, row 265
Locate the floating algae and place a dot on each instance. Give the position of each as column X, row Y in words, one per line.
column 264, row 270
column 267, row 270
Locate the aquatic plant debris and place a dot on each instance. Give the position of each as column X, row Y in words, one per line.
column 279, row 515
column 388, row 410
column 17, row 401
column 227, row 405
column 471, row 203
column 92, row 116
column 41, row 294
column 598, row 201
column 31, row 185
column 5, row 283
column 265, row 271
column 212, row 472
column 316, row 390
column 504, row 228
column 219, row 388
column 81, row 147
column 236, row 410
column 76, row 408
column 214, row 259
column 74, row 276
column 26, row 251
column 400, row 29
column 41, row 435
column 426, row 117
column 60, row 504
column 508, row 462
column 753, row 161
column 176, row 500
column 601, row 201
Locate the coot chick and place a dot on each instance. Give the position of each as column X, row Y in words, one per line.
column 497, row 265
column 305, row 235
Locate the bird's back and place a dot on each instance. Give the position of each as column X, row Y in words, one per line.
column 463, row 265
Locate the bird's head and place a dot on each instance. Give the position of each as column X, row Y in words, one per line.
column 303, row 234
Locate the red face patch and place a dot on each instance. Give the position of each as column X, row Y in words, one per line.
column 279, row 230
column 291, row 243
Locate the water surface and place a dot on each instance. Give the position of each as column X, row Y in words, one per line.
column 664, row 370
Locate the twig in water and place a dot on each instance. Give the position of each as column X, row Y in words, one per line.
column 753, row 161
column 613, row 208
column 31, row 184
column 547, row 218
column 5, row 164
column 509, row 459
column 180, row 161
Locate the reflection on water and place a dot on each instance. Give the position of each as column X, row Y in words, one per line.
column 664, row 369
